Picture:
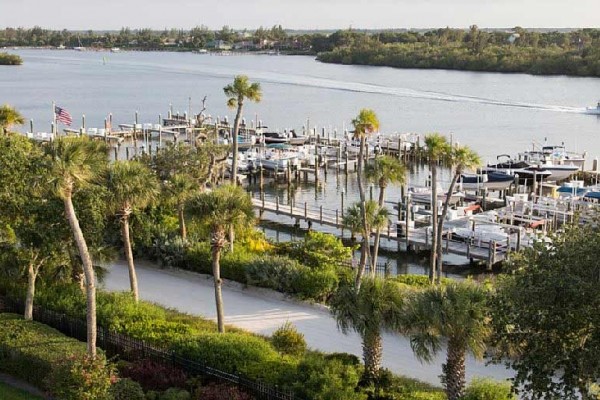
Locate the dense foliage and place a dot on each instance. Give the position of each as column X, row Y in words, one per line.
column 10, row 59
column 570, row 53
column 546, row 316
column 43, row 356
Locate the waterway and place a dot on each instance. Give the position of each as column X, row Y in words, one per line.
column 493, row 113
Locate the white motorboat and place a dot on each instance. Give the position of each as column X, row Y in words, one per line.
column 553, row 155
column 273, row 159
column 593, row 110
column 423, row 195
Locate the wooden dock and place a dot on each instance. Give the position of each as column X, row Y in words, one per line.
column 418, row 239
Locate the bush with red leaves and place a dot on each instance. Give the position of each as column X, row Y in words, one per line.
column 221, row 392
column 154, row 376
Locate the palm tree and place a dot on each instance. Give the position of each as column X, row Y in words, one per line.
column 133, row 186
column 437, row 149
column 365, row 123
column 9, row 116
column 76, row 163
column 228, row 206
column 462, row 158
column 457, row 314
column 180, row 189
column 236, row 92
column 374, row 307
column 384, row 170
column 354, row 220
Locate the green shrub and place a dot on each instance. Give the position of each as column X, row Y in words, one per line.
column 81, row 378
column 418, row 281
column 127, row 389
column 175, row 394
column 30, row 350
column 316, row 285
column 287, row 340
column 344, row 358
column 488, row 389
column 318, row 250
column 230, row 352
column 274, row 272
column 326, row 380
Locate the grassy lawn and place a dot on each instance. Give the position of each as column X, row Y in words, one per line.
column 10, row 393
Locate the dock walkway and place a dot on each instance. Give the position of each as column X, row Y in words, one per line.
column 418, row 238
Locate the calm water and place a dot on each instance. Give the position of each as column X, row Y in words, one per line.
column 492, row 113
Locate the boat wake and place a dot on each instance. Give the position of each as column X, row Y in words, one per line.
column 211, row 70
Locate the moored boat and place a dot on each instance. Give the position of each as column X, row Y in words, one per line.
column 491, row 180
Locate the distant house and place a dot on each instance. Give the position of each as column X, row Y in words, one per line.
column 218, row 45
column 244, row 45
column 169, row 42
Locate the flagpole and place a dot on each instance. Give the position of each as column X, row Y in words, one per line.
column 54, row 130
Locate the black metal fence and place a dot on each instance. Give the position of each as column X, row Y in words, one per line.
column 130, row 349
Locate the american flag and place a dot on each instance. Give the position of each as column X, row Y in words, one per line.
column 63, row 115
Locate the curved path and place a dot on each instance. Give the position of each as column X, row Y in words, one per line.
column 262, row 311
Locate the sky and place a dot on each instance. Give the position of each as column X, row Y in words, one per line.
column 299, row 14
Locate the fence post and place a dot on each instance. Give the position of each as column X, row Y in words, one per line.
column 337, row 221
column 277, row 203
column 305, row 210
column 321, row 214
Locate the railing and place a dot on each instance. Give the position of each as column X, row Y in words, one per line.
column 131, row 349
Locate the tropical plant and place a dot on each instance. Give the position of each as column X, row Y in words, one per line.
column 462, row 158
column 456, row 313
column 225, row 207
column 9, row 116
column 383, row 171
column 368, row 310
column 362, row 223
column 180, row 188
column 545, row 316
column 74, row 164
column 132, row 187
column 287, row 340
column 437, row 148
column 365, row 123
column 237, row 92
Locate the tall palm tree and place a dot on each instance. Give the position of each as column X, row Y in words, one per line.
column 9, row 116
column 355, row 221
column 457, row 314
column 132, row 186
column 462, row 158
column 180, row 188
column 225, row 207
column 365, row 123
column 374, row 307
column 383, row 171
column 437, row 148
column 76, row 163
column 237, row 92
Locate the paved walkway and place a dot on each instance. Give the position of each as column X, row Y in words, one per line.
column 263, row 311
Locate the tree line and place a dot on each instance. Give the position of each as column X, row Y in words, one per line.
column 550, row 53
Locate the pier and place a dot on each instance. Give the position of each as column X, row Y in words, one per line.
column 415, row 239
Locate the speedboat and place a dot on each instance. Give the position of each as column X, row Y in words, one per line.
column 554, row 155
column 423, row 195
column 491, row 180
column 593, row 110
column 275, row 137
column 529, row 171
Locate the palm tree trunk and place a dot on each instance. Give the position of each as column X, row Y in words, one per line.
column 363, row 262
column 231, row 238
column 454, row 371
column 372, row 355
column 378, row 233
column 361, row 191
column 182, row 228
column 236, row 128
column 31, row 277
column 218, row 239
column 129, row 257
column 440, row 227
column 88, row 270
column 434, row 220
